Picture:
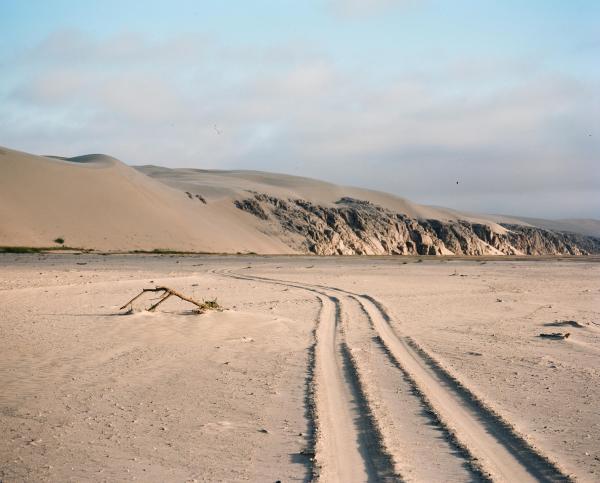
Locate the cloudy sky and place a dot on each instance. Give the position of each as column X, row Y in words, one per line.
column 406, row 96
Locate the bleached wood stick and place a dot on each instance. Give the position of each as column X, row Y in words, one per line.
column 167, row 292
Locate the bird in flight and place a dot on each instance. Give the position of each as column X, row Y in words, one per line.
column 456, row 181
column 217, row 129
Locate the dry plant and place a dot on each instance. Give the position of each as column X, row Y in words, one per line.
column 169, row 292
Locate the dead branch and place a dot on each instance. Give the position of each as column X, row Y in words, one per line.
column 166, row 293
column 164, row 297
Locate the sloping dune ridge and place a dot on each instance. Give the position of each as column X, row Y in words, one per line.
column 97, row 202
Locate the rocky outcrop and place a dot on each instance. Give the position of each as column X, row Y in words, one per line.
column 357, row 227
column 537, row 241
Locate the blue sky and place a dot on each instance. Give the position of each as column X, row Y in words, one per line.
column 400, row 95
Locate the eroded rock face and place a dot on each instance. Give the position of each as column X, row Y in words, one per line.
column 357, row 227
column 536, row 241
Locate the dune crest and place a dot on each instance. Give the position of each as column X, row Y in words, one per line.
column 99, row 160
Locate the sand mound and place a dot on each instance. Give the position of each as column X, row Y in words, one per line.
column 96, row 201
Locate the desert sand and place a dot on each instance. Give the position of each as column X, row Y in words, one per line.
column 97, row 202
column 337, row 369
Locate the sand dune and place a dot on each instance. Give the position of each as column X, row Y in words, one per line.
column 237, row 183
column 97, row 202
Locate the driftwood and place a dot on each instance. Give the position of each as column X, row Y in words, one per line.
column 166, row 293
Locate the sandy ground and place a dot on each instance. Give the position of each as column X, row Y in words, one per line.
column 341, row 369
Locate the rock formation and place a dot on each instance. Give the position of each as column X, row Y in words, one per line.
column 357, row 227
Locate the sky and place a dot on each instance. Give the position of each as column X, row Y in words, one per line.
column 404, row 96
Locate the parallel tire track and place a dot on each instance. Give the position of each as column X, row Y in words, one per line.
column 498, row 449
column 446, row 467
column 503, row 453
column 348, row 446
column 347, row 442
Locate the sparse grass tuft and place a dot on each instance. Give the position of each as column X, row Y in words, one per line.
column 211, row 305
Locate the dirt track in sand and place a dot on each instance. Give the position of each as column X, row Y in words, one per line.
column 343, row 452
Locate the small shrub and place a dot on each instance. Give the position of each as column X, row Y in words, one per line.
column 59, row 240
column 211, row 305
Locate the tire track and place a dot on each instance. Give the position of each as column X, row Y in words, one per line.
column 498, row 449
column 344, row 451
column 504, row 454
column 424, row 447
column 348, row 442
column 373, row 410
column 310, row 403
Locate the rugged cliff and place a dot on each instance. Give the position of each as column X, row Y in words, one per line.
column 356, row 227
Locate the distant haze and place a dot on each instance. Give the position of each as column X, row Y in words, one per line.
column 404, row 96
